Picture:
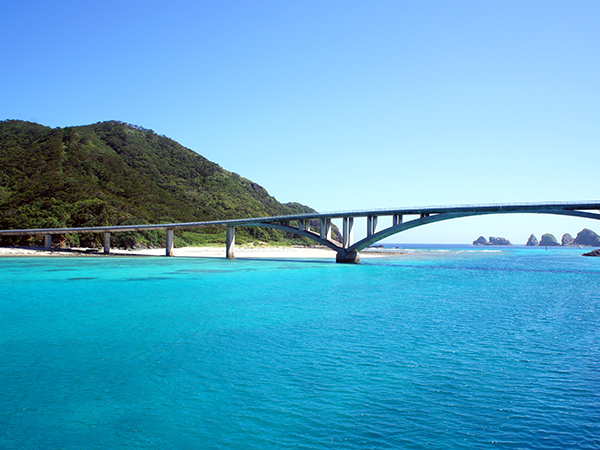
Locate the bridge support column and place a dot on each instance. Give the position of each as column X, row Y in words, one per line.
column 325, row 229
column 169, row 246
column 47, row 241
column 397, row 219
column 347, row 258
column 371, row 225
column 348, row 232
column 230, row 242
column 106, row 243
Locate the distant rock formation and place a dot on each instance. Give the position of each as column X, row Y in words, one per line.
column 480, row 241
column 498, row 241
column 532, row 241
column 567, row 239
column 493, row 241
column 587, row 237
column 593, row 253
column 548, row 240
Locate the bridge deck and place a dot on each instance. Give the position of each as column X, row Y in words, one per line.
column 478, row 208
column 347, row 250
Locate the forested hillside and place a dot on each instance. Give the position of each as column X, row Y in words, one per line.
column 112, row 173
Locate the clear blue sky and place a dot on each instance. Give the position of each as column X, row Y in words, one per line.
column 336, row 104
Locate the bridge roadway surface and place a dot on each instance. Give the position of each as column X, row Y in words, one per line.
column 305, row 225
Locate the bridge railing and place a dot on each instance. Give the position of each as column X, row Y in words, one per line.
column 418, row 209
column 591, row 204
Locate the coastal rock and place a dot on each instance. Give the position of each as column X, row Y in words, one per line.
column 532, row 241
column 567, row 239
column 480, row 241
column 548, row 240
column 593, row 253
column 587, row 237
column 498, row 241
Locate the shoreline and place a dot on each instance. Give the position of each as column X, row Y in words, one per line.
column 198, row 252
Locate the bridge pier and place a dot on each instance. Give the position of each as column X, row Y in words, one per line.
column 371, row 225
column 106, row 243
column 347, row 258
column 47, row 241
column 397, row 219
column 169, row 245
column 325, row 229
column 348, row 232
column 230, row 242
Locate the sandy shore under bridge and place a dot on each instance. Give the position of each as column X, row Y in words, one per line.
column 241, row 251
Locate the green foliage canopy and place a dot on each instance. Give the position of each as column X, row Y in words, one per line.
column 113, row 173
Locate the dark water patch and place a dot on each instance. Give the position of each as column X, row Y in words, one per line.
column 286, row 260
column 149, row 279
column 293, row 267
column 210, row 270
column 82, row 278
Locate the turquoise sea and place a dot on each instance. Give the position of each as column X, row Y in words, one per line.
column 441, row 348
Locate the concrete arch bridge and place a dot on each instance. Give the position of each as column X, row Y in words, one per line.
column 348, row 250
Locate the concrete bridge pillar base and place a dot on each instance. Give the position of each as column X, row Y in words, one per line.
column 347, row 258
column 106, row 243
column 230, row 242
column 169, row 245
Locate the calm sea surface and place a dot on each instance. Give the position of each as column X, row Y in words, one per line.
column 448, row 348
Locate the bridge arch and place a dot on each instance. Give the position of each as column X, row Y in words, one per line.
column 370, row 240
column 350, row 253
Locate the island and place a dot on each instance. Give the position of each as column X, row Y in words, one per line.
column 492, row 241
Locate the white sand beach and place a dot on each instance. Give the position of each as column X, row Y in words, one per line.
column 241, row 251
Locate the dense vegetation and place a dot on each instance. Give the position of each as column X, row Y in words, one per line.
column 112, row 173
